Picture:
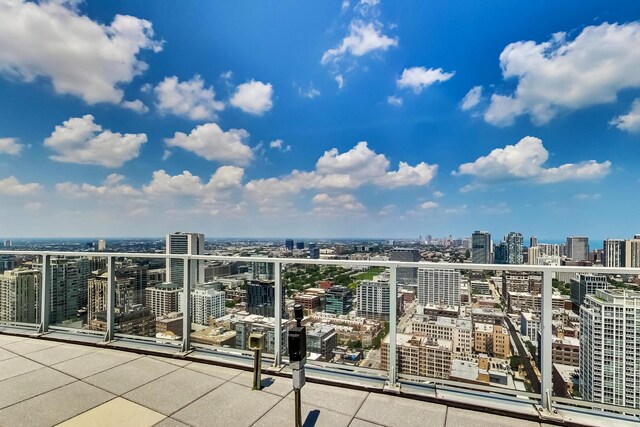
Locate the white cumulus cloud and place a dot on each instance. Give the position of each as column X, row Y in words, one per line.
column 429, row 205
column 253, row 97
column 81, row 57
column 340, row 171
column 525, row 161
column 135, row 105
column 325, row 204
column 190, row 98
column 163, row 184
column 418, row 78
column 394, row 100
column 362, row 39
column 213, row 143
column 472, row 98
column 420, row 174
column 10, row 146
column 629, row 122
column 112, row 189
column 10, row 186
column 80, row 140
column 279, row 145
column 563, row 74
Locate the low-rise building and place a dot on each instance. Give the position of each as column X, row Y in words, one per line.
column 418, row 355
column 322, row 339
column 492, row 340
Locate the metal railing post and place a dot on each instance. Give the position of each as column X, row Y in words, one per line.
column 111, row 298
column 186, row 305
column 277, row 345
column 45, row 296
column 393, row 322
column 544, row 347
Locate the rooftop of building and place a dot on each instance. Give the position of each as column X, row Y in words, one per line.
column 47, row 383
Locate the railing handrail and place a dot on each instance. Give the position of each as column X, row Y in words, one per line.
column 363, row 263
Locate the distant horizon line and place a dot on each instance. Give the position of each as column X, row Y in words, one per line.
column 86, row 238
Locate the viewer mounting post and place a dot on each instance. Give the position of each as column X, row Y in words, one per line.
column 297, row 359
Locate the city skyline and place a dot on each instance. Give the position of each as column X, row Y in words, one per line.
column 370, row 122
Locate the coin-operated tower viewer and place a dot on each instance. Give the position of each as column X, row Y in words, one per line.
column 297, row 359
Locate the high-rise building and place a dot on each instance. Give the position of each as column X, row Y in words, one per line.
column 610, row 348
column 514, row 248
column 68, row 287
column 586, row 284
column 533, row 253
column 314, row 253
column 163, row 298
column 501, row 253
column 533, row 241
column 206, row 302
column 20, row 295
column 259, row 270
column 438, row 286
column 632, row 253
column 261, row 298
column 7, row 262
column 102, row 245
column 289, row 244
column 551, row 249
column 481, row 247
column 300, row 245
column 578, row 248
column 374, row 300
column 180, row 243
column 339, row 300
column 98, row 289
column 405, row 275
column 140, row 276
column 614, row 253
column 134, row 320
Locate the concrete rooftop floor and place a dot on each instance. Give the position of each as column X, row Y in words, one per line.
column 47, row 383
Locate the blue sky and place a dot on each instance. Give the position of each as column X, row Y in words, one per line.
column 323, row 118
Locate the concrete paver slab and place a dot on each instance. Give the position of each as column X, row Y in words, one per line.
column 30, row 384
column 275, row 385
column 24, row 347
column 174, row 391
column 216, row 371
column 117, row 412
column 362, row 423
column 4, row 354
column 394, row 411
column 51, row 356
column 283, row 414
column 229, row 405
column 126, row 377
column 170, row 422
column 55, row 406
column 16, row 366
column 92, row 363
column 343, row 400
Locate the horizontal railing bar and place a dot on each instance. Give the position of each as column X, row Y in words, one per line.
column 352, row 263
column 442, row 383
column 598, row 405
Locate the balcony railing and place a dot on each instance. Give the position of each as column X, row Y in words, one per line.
column 548, row 406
